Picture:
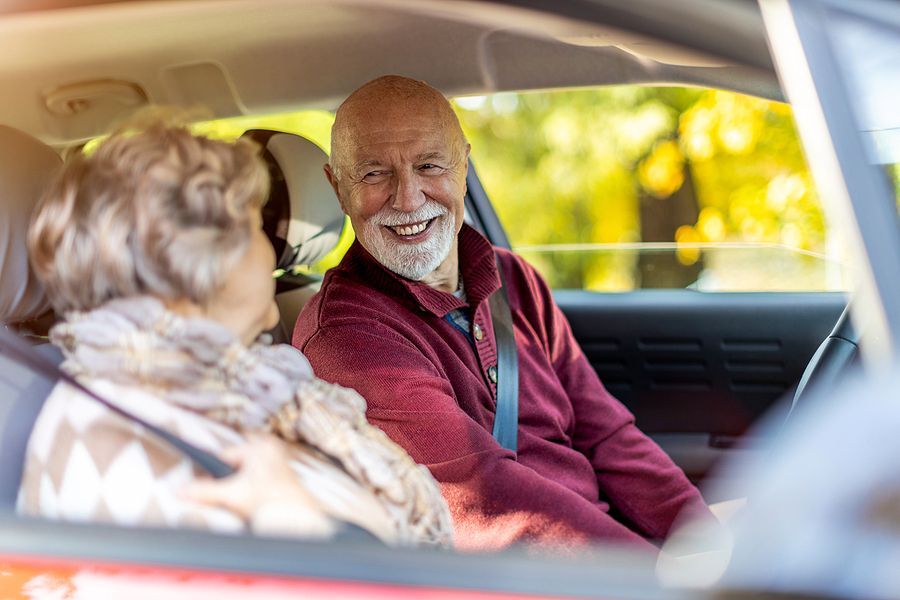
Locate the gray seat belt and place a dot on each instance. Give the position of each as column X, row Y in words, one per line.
column 506, row 418
column 22, row 352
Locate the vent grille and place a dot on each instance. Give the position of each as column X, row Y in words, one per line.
column 751, row 345
column 751, row 368
column 669, row 344
column 679, row 365
column 659, row 384
column 752, row 365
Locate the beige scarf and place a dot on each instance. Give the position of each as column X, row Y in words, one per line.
column 200, row 366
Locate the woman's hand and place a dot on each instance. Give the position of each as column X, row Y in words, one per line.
column 265, row 491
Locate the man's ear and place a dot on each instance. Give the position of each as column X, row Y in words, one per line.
column 332, row 179
column 466, row 168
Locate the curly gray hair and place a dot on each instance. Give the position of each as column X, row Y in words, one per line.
column 157, row 211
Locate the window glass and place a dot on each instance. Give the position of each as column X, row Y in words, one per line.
column 629, row 187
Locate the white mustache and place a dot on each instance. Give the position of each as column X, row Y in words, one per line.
column 391, row 217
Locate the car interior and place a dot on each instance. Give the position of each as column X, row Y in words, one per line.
column 697, row 369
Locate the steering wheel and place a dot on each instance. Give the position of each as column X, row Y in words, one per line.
column 832, row 358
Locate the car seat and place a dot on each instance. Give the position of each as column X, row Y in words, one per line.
column 302, row 217
column 26, row 166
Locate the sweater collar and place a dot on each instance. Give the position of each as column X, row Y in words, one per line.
column 477, row 267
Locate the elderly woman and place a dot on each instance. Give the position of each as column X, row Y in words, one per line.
column 152, row 250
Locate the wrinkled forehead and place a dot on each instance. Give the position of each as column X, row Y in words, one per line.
column 403, row 142
column 407, row 126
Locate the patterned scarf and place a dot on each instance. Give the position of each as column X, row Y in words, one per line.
column 198, row 365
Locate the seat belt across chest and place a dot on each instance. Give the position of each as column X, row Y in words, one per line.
column 506, row 418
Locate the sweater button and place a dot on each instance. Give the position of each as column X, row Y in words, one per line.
column 492, row 373
column 478, row 332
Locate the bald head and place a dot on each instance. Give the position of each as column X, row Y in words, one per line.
column 398, row 167
column 389, row 103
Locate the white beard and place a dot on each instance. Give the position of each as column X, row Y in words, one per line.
column 412, row 261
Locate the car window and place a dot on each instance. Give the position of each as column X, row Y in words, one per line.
column 629, row 187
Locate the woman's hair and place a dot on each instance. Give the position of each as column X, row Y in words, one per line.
column 156, row 211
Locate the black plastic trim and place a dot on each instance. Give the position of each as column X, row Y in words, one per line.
column 482, row 211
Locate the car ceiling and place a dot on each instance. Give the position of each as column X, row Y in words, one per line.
column 70, row 72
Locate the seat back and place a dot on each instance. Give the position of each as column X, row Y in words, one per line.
column 302, row 217
column 26, row 167
column 22, row 395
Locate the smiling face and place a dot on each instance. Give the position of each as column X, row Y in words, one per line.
column 398, row 168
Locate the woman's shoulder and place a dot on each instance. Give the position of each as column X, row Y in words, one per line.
column 70, row 413
column 85, row 462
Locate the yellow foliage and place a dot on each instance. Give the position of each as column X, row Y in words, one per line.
column 662, row 173
column 686, row 250
column 569, row 166
column 711, row 224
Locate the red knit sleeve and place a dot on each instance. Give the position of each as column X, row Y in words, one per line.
column 494, row 500
column 640, row 481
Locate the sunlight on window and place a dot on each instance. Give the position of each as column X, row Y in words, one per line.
column 674, row 178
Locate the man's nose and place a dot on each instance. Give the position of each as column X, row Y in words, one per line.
column 408, row 196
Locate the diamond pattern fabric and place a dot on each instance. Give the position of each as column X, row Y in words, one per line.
column 85, row 463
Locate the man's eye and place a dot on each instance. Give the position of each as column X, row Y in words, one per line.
column 374, row 176
column 431, row 168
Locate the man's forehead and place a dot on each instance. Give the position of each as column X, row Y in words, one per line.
column 371, row 128
column 407, row 136
column 407, row 143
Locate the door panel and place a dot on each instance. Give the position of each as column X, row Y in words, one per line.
column 697, row 369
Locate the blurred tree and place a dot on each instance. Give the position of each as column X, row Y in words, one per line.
column 628, row 164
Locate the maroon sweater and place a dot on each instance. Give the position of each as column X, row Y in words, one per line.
column 429, row 389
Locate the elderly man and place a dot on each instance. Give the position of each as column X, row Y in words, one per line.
column 404, row 319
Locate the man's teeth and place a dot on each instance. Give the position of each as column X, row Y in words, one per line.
column 411, row 229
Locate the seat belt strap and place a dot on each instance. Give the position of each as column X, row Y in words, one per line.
column 506, row 419
column 22, row 352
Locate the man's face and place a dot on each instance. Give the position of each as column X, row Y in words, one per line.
column 402, row 182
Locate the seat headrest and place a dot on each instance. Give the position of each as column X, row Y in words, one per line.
column 302, row 217
column 26, row 168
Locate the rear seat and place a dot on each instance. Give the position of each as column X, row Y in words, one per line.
column 302, row 217
column 26, row 165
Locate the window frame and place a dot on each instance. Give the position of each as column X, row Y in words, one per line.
column 856, row 194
